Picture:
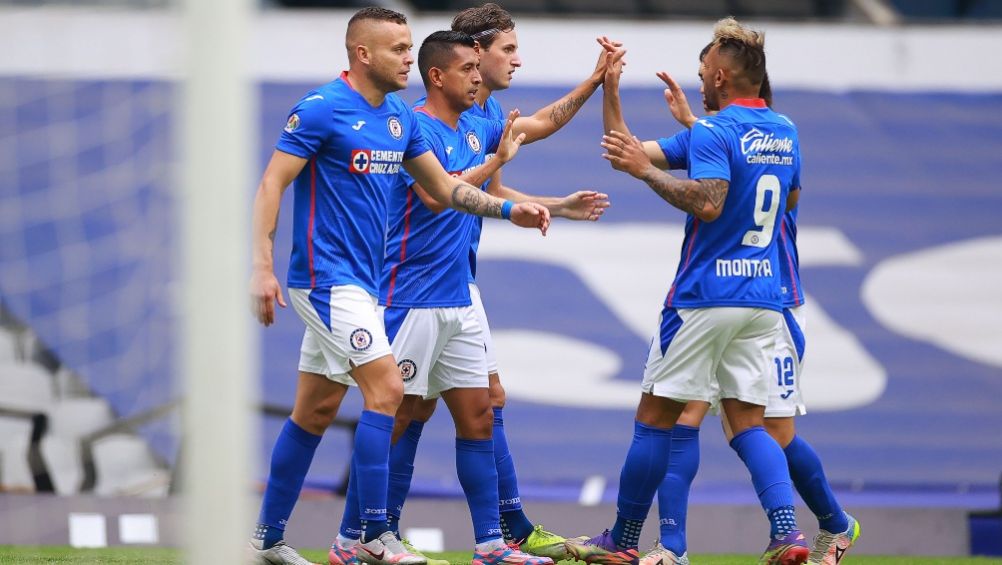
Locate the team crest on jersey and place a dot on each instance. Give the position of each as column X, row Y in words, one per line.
column 361, row 339
column 360, row 160
column 396, row 130
column 292, row 124
column 473, row 141
column 407, row 370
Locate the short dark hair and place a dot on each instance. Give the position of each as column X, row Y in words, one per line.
column 378, row 14
column 438, row 50
column 483, row 23
column 765, row 91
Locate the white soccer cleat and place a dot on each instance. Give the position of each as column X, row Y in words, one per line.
column 660, row 555
column 279, row 554
column 388, row 550
column 829, row 548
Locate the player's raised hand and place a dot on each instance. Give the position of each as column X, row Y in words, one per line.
column 626, row 153
column 265, row 292
column 609, row 47
column 510, row 143
column 677, row 102
column 531, row 215
column 587, row 205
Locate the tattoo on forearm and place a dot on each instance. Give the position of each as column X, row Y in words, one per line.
column 271, row 234
column 687, row 195
column 563, row 111
column 476, row 202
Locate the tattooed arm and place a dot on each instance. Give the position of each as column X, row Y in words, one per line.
column 702, row 198
column 547, row 120
column 264, row 287
column 428, row 172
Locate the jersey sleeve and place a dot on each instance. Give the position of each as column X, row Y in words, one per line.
column 417, row 144
column 676, row 149
column 708, row 152
column 307, row 128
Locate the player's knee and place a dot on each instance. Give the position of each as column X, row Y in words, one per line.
column 477, row 425
column 424, row 409
column 386, row 399
column 317, row 420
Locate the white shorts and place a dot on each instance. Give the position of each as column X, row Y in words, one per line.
column 478, row 307
column 343, row 330
column 437, row 349
column 701, row 353
column 785, row 399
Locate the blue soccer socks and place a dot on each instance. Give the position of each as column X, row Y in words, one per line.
column 767, row 464
column 290, row 461
column 479, row 479
column 673, row 494
column 809, row 478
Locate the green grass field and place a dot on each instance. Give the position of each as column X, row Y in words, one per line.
column 158, row 556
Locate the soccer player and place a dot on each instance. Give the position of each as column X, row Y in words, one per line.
column 429, row 317
column 494, row 31
column 838, row 530
column 343, row 145
column 723, row 311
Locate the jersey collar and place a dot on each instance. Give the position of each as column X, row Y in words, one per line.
column 750, row 102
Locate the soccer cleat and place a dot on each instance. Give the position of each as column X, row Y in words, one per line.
column 829, row 548
column 660, row 555
column 279, row 554
column 790, row 550
column 543, row 544
column 342, row 555
column 387, row 550
column 601, row 549
column 508, row 556
column 415, row 551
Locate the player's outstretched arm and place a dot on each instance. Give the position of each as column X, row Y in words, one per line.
column 550, row 118
column 703, row 198
column 446, row 189
column 507, row 148
column 264, row 287
column 583, row 205
column 612, row 107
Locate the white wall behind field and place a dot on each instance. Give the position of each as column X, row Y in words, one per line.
column 308, row 46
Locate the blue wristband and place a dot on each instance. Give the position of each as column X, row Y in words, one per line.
column 506, row 209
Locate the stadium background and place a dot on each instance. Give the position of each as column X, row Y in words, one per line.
column 901, row 246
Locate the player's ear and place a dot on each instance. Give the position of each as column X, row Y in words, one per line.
column 435, row 76
column 362, row 53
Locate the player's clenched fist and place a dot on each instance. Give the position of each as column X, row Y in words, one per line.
column 531, row 215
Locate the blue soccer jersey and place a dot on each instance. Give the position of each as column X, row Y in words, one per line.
column 427, row 254
column 354, row 153
column 734, row 260
column 491, row 111
column 676, row 151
